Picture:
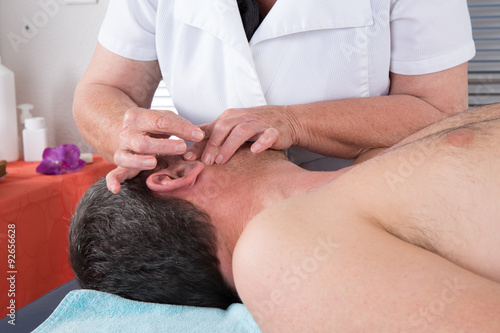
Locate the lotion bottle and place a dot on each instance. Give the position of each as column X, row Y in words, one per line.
column 25, row 111
column 9, row 143
column 34, row 139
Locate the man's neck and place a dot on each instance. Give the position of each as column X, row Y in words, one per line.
column 246, row 192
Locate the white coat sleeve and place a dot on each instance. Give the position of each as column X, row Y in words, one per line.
column 429, row 36
column 128, row 29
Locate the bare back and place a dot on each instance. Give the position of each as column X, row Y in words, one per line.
column 407, row 241
column 442, row 193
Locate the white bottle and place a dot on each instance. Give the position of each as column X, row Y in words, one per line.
column 9, row 143
column 25, row 111
column 34, row 139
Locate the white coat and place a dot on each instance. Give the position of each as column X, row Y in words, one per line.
column 304, row 50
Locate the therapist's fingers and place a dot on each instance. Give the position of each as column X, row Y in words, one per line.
column 194, row 152
column 146, row 133
column 143, row 131
column 240, row 134
column 270, row 126
column 218, row 132
column 161, row 122
column 263, row 141
column 267, row 140
column 140, row 142
column 125, row 157
column 118, row 175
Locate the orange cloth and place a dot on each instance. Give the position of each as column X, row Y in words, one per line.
column 40, row 207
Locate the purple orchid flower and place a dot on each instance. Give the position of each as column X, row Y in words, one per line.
column 63, row 159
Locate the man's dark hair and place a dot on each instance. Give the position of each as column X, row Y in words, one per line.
column 146, row 248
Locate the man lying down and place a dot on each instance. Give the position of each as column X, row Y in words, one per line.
column 406, row 241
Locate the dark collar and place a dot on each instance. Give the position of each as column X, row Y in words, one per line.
column 250, row 16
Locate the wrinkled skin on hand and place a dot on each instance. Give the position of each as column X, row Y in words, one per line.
column 146, row 133
column 270, row 127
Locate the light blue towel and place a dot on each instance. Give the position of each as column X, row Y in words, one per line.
column 94, row 312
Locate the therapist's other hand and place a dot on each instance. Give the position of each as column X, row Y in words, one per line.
column 271, row 127
column 146, row 133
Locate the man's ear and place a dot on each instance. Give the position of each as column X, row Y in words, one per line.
column 181, row 175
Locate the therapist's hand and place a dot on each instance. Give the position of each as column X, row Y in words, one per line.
column 271, row 127
column 146, row 133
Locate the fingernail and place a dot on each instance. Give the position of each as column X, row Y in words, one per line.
column 207, row 159
column 198, row 135
column 255, row 148
column 219, row 159
column 189, row 155
column 149, row 163
column 180, row 147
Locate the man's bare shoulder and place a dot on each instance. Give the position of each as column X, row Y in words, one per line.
column 299, row 222
column 254, row 259
column 283, row 250
column 301, row 264
column 296, row 224
column 260, row 242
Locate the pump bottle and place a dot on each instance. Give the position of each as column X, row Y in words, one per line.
column 25, row 111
